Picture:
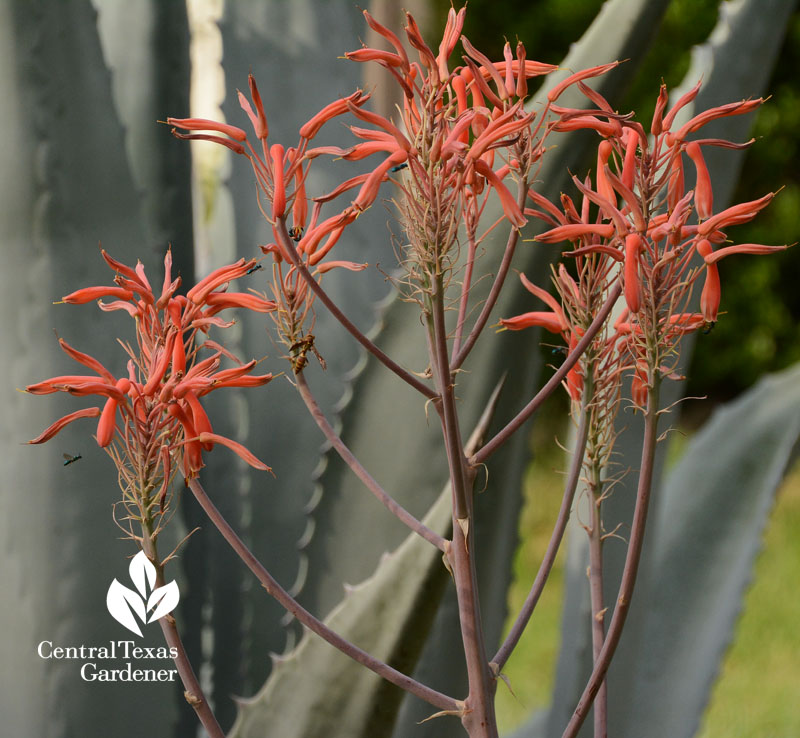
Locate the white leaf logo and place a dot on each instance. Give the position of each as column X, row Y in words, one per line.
column 141, row 570
column 164, row 600
column 123, row 603
column 120, row 600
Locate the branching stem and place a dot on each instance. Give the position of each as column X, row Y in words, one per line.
column 630, row 569
column 193, row 692
column 388, row 362
column 501, row 657
column 503, row 435
column 597, row 609
column 437, row 699
column 499, row 280
column 478, row 717
column 349, row 458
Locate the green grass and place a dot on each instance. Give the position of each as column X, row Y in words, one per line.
column 758, row 694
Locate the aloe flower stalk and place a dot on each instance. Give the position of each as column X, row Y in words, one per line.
column 636, row 219
column 152, row 422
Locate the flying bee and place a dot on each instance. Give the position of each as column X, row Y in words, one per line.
column 253, row 269
column 296, row 233
column 71, row 459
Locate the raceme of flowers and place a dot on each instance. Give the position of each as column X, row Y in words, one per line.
column 637, row 214
column 464, row 132
column 151, row 421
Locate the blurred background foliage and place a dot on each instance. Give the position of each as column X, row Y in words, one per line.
column 761, row 330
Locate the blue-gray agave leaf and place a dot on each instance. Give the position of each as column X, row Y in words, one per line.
column 714, row 506
column 65, row 186
column 293, row 50
column 383, row 615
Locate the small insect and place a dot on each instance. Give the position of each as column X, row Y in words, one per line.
column 253, row 269
column 399, row 167
column 708, row 328
column 296, row 232
column 71, row 459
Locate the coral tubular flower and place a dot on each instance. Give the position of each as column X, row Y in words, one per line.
column 736, row 108
column 86, row 360
column 549, row 321
column 681, row 103
column 390, row 36
column 245, row 300
column 712, row 291
column 742, row 248
column 452, row 32
column 340, row 264
column 387, row 58
column 507, row 201
column 554, row 322
column 741, row 213
column 234, row 146
column 57, row 384
column 703, row 195
column 201, row 124
column 633, row 289
column 241, row 451
column 61, row 423
column 574, row 231
column 330, row 111
column 556, row 92
column 90, row 294
column 218, row 277
column 369, row 190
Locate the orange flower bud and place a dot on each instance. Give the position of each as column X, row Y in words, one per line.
column 657, row 125
column 633, row 290
column 640, row 385
column 107, row 423
column 703, row 195
column 712, row 292
column 629, row 165
column 604, row 187
column 278, row 189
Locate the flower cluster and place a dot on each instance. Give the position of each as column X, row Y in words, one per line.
column 152, row 421
column 638, row 215
column 281, row 175
column 464, row 131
